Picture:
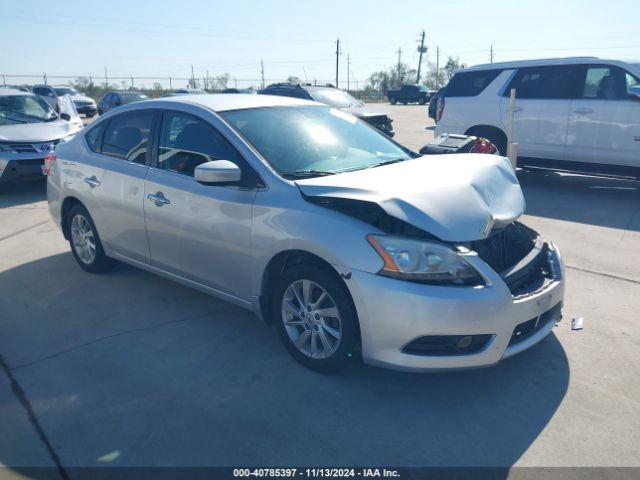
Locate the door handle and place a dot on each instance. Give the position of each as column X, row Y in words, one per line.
column 159, row 199
column 92, row 181
column 583, row 110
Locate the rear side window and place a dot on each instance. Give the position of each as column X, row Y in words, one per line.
column 470, row 84
column 549, row 82
column 127, row 136
column 93, row 137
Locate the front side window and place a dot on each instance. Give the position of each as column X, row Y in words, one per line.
column 24, row 109
column 127, row 136
column 186, row 142
column 313, row 140
column 470, row 84
column 604, row 82
column 93, row 137
column 548, row 82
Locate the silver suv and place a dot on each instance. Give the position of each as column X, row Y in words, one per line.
column 347, row 242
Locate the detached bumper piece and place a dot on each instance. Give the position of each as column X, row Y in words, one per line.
column 447, row 345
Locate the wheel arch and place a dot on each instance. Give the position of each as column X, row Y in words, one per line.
column 491, row 132
column 67, row 205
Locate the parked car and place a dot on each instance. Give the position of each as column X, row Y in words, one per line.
column 409, row 93
column 52, row 94
column 248, row 90
column 342, row 239
column 116, row 98
column 29, row 130
column 572, row 114
column 334, row 97
column 22, row 88
column 184, row 91
column 433, row 103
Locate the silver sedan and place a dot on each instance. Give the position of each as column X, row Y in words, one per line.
column 349, row 244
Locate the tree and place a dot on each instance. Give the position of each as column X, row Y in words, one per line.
column 292, row 79
column 452, row 66
column 383, row 80
column 434, row 80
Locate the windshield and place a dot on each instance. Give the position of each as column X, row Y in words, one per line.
column 335, row 98
column 24, row 109
column 314, row 140
column 132, row 97
column 65, row 91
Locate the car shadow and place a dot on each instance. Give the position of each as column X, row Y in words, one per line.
column 14, row 194
column 129, row 369
column 606, row 202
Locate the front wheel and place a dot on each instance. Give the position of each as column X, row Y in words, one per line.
column 315, row 317
column 393, row 100
column 85, row 242
column 422, row 101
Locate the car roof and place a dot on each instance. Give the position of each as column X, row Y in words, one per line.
column 543, row 62
column 222, row 102
column 12, row 91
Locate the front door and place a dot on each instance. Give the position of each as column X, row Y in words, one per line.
column 199, row 232
column 604, row 123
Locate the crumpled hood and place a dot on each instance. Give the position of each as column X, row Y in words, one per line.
column 37, row 132
column 457, row 198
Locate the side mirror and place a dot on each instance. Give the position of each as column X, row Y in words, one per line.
column 218, row 171
column 65, row 116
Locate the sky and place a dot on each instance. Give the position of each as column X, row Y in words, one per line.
column 295, row 38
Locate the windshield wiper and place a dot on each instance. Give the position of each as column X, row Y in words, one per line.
column 307, row 173
column 387, row 162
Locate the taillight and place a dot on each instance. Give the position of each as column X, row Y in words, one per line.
column 440, row 109
column 49, row 160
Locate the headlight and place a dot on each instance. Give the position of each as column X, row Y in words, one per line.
column 423, row 262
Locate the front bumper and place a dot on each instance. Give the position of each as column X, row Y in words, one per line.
column 20, row 169
column 394, row 313
column 87, row 109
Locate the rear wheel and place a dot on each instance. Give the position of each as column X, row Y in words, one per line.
column 85, row 242
column 315, row 317
column 393, row 100
column 422, row 100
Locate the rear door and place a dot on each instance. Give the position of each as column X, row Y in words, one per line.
column 199, row 232
column 113, row 179
column 544, row 96
column 604, row 123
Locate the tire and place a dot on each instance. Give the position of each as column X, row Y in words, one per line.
column 90, row 115
column 422, row 100
column 393, row 100
column 100, row 112
column 338, row 327
column 83, row 234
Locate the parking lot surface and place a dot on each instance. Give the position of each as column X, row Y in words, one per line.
column 129, row 369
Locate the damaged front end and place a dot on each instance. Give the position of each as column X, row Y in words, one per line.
column 523, row 259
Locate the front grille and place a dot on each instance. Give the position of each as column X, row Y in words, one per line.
column 447, row 345
column 529, row 328
column 23, row 147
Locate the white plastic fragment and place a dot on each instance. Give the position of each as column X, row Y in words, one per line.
column 576, row 323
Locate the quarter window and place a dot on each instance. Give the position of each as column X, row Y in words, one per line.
column 470, row 84
column 127, row 136
column 186, row 142
column 549, row 82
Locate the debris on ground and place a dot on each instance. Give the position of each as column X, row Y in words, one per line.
column 576, row 323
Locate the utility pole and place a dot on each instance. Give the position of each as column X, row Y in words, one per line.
column 262, row 72
column 491, row 53
column 170, row 84
column 422, row 49
column 106, row 79
column 4, row 80
column 337, row 57
column 437, row 68
column 131, row 76
column 399, row 65
column 44, row 77
column 348, row 66
column 193, row 78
